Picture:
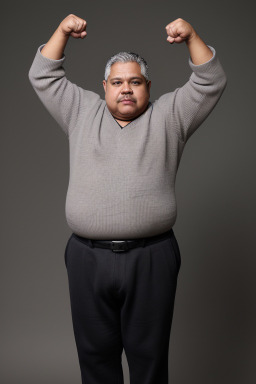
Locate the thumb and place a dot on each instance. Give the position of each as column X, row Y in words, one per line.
column 170, row 39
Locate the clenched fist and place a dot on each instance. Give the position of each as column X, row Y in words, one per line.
column 74, row 26
column 179, row 30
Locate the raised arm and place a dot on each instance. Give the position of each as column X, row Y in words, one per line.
column 61, row 97
column 71, row 25
column 188, row 106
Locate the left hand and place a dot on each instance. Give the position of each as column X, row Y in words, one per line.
column 179, row 30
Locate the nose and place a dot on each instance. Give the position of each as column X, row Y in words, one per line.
column 126, row 88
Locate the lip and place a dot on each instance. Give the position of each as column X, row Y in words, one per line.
column 127, row 101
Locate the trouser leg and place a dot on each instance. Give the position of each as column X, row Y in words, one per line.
column 150, row 281
column 95, row 313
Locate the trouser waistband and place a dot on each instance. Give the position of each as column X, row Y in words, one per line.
column 124, row 245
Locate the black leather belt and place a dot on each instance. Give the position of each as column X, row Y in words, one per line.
column 124, row 245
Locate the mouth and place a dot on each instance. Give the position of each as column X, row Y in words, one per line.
column 127, row 101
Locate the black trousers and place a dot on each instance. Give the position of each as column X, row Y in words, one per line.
column 119, row 301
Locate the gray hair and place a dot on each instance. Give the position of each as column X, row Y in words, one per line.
column 125, row 57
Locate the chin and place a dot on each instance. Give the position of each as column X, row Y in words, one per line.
column 127, row 112
column 128, row 115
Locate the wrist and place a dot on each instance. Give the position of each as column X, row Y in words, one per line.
column 192, row 37
column 61, row 32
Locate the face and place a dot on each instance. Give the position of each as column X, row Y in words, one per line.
column 125, row 81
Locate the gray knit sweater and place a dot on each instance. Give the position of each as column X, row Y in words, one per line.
column 122, row 180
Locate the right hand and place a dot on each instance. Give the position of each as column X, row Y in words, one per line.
column 74, row 26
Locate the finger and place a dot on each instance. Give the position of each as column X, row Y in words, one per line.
column 174, row 30
column 75, row 28
column 74, row 34
column 81, row 20
column 84, row 24
column 170, row 39
column 78, row 26
column 169, row 30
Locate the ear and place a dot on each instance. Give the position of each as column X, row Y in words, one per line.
column 104, row 85
column 149, row 85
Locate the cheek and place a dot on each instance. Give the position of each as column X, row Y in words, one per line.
column 142, row 97
column 112, row 96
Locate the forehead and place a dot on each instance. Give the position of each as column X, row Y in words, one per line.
column 125, row 69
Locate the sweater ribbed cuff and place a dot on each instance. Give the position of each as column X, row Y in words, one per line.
column 46, row 61
column 205, row 67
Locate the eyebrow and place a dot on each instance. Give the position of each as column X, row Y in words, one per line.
column 131, row 78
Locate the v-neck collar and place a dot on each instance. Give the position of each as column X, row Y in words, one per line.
column 131, row 123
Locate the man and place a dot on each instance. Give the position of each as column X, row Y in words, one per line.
column 123, row 258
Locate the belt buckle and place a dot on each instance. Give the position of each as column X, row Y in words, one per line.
column 119, row 246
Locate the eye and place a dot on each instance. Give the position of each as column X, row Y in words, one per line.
column 134, row 82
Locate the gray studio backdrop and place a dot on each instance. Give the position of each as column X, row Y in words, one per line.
column 213, row 331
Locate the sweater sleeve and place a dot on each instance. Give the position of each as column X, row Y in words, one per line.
column 188, row 106
column 63, row 99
